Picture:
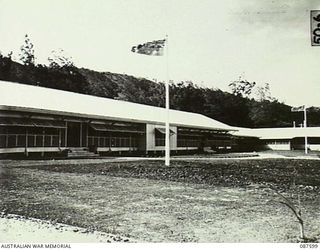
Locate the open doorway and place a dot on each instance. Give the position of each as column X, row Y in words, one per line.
column 73, row 134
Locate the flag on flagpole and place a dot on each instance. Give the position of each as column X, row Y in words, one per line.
column 297, row 109
column 154, row 48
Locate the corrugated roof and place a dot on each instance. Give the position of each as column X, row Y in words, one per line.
column 278, row 133
column 28, row 97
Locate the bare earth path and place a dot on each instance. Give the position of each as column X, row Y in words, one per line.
column 15, row 229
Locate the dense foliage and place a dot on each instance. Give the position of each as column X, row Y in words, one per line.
column 233, row 109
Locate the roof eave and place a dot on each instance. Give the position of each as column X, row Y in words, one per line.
column 100, row 117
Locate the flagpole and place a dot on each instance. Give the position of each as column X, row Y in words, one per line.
column 156, row 48
column 167, row 141
column 305, row 126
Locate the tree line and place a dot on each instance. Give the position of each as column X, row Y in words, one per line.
column 238, row 108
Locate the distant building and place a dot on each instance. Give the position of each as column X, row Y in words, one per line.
column 282, row 138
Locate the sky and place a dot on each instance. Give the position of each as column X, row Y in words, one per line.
column 210, row 42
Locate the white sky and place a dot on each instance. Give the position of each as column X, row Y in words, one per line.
column 211, row 42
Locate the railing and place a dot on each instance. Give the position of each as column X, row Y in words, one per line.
column 219, row 143
column 101, row 141
column 188, row 143
column 30, row 140
column 207, row 143
column 277, row 142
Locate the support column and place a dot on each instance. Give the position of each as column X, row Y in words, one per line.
column 87, row 135
column 80, row 134
column 59, row 145
column 26, row 148
column 66, row 135
column 43, row 133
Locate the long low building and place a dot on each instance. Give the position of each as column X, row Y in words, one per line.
column 42, row 120
column 281, row 138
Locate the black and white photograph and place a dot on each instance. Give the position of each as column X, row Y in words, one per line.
column 159, row 121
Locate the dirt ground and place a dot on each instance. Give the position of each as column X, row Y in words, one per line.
column 190, row 201
column 17, row 229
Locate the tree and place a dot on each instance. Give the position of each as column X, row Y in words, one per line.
column 27, row 52
column 139, row 90
column 270, row 114
column 263, row 93
column 187, row 96
column 242, row 87
column 10, row 55
column 5, row 67
column 58, row 59
column 313, row 114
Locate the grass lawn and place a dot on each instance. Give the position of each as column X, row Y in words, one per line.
column 190, row 201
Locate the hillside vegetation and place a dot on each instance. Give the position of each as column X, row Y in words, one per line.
column 233, row 109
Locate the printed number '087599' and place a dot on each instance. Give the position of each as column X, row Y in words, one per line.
column 309, row 245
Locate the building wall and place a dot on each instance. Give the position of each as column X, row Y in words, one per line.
column 24, row 132
column 30, row 150
column 278, row 146
column 151, row 138
column 293, row 144
column 121, row 136
column 314, row 147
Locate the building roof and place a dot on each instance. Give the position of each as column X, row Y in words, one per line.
column 278, row 133
column 16, row 96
